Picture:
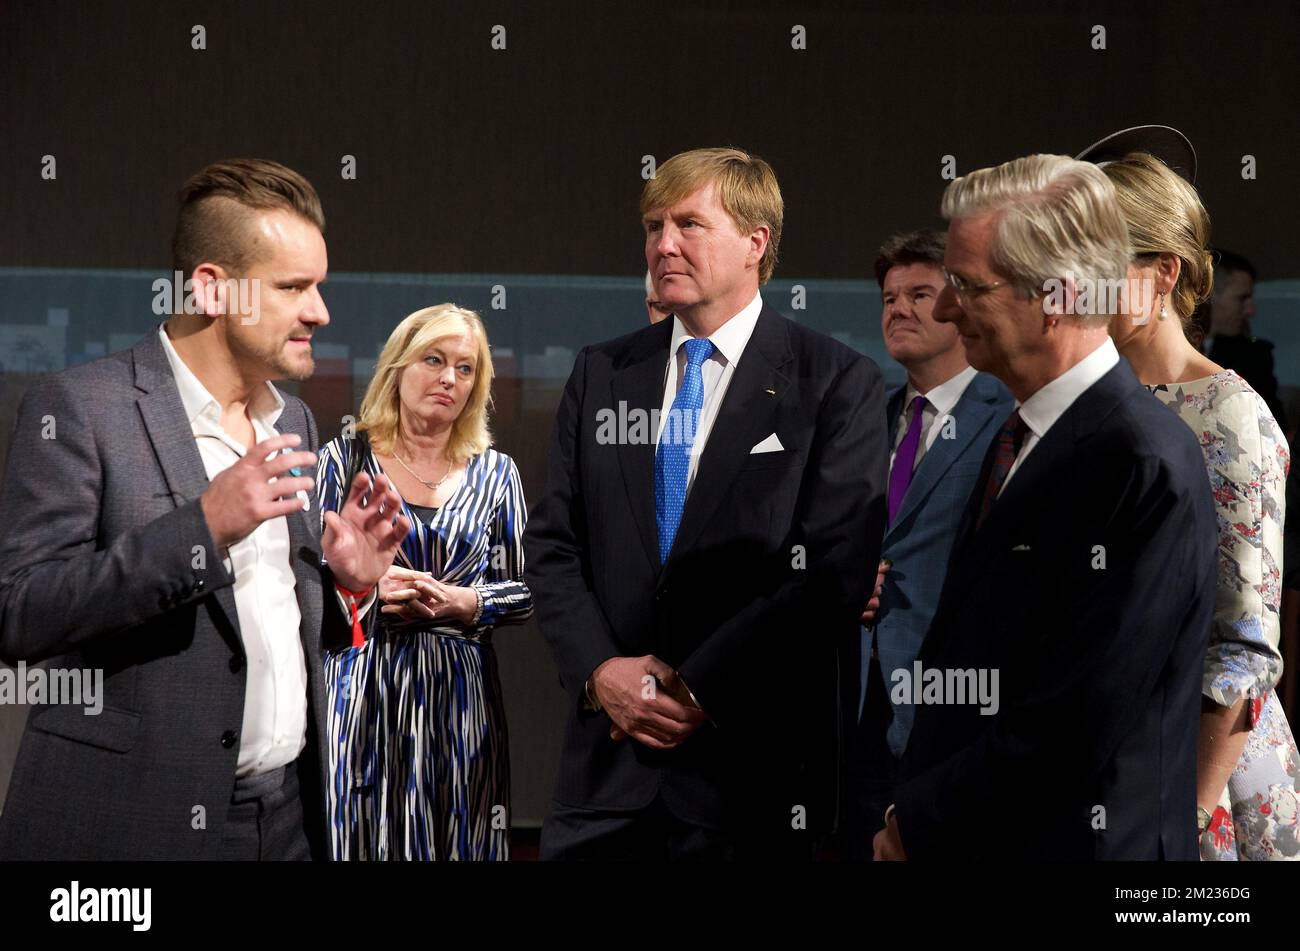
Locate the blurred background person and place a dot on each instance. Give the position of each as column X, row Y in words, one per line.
column 419, row 764
column 1232, row 345
column 1247, row 762
column 1197, row 327
column 941, row 422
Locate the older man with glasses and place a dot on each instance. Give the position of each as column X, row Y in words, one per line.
column 1082, row 579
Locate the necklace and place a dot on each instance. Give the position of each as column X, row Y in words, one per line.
column 424, row 482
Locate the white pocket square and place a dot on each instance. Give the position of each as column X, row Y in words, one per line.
column 770, row 444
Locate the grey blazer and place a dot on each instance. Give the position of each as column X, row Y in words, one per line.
column 106, row 562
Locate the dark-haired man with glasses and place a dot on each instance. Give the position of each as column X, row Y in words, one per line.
column 940, row 424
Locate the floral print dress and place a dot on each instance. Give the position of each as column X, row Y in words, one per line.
column 1247, row 458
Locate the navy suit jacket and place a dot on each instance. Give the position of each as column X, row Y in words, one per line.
column 1089, row 588
column 761, row 591
column 919, row 541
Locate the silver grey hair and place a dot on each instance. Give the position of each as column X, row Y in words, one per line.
column 1058, row 218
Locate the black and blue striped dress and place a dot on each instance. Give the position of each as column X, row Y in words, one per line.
column 419, row 765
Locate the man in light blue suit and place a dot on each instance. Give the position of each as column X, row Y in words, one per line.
column 940, row 425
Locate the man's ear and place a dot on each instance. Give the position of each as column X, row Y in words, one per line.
column 209, row 289
column 1061, row 297
column 758, row 239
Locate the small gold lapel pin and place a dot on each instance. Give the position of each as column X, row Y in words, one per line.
column 769, row 391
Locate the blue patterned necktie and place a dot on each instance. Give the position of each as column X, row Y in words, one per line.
column 673, row 454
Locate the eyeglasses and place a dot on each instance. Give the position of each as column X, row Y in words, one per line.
column 967, row 289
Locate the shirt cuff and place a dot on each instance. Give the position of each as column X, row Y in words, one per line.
column 589, row 701
column 690, row 693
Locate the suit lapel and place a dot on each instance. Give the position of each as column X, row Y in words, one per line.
column 893, row 407
column 1022, row 498
column 745, row 417
column 639, row 386
column 177, row 451
column 971, row 414
column 305, row 557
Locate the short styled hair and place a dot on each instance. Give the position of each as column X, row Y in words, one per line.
column 1057, row 218
column 410, row 339
column 217, row 205
column 746, row 187
column 925, row 246
column 1229, row 262
column 1165, row 215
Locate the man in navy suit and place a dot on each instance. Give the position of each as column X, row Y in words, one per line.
column 940, row 424
column 1060, row 678
column 704, row 545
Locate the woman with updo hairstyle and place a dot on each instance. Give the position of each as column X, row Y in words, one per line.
column 1247, row 763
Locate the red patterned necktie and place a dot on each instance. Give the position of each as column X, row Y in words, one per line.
column 1009, row 440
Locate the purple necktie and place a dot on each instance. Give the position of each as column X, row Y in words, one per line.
column 905, row 459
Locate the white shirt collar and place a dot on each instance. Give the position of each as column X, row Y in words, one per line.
column 944, row 396
column 199, row 402
column 1046, row 406
column 730, row 339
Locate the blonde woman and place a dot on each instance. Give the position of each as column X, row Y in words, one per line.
column 1247, row 763
column 417, row 731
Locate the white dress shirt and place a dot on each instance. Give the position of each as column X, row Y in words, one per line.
column 938, row 406
column 275, row 693
column 1041, row 411
column 729, row 342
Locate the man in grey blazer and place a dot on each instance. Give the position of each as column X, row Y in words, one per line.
column 156, row 527
column 940, row 425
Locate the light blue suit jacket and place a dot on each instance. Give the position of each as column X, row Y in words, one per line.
column 920, row 539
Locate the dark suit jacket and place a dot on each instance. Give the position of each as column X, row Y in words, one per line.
column 1092, row 752
column 771, row 566
column 106, row 561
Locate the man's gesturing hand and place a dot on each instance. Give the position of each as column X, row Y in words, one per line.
column 243, row 496
column 645, row 709
column 361, row 541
